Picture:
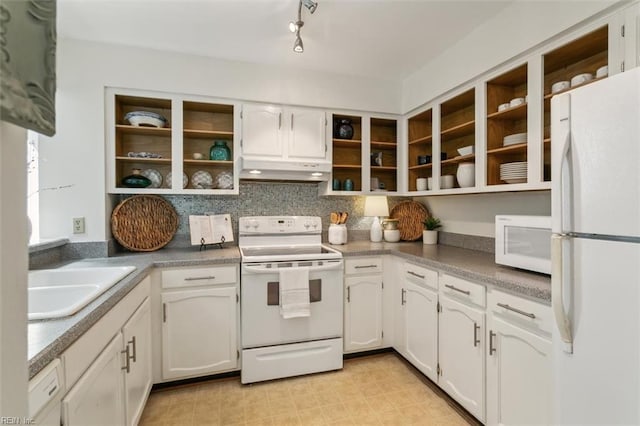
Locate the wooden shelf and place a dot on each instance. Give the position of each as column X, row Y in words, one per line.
column 458, row 159
column 209, row 162
column 458, row 131
column 383, row 145
column 144, row 160
column 424, row 139
column 143, row 130
column 514, row 113
column 347, row 166
column 546, row 141
column 421, row 166
column 550, row 95
column 190, row 133
column 347, row 143
column 511, row 149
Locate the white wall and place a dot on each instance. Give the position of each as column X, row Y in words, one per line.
column 517, row 28
column 76, row 155
column 13, row 271
column 474, row 214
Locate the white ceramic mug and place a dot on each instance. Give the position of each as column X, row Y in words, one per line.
column 421, row 184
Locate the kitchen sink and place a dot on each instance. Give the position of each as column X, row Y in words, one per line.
column 56, row 293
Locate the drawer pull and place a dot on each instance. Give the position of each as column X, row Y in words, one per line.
column 467, row 292
column 365, row 266
column 415, row 275
column 127, row 360
column 210, row 277
column 516, row 310
column 402, row 299
column 348, row 294
column 476, row 341
column 491, row 348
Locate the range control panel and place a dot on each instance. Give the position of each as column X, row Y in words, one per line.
column 280, row 225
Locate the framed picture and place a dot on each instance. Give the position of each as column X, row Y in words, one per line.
column 28, row 64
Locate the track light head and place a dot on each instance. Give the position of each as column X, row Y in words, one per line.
column 310, row 4
column 298, row 47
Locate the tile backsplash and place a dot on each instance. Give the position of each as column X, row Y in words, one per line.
column 271, row 199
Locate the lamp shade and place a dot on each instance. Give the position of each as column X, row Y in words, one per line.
column 376, row 206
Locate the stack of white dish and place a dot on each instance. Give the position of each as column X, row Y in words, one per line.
column 514, row 172
column 514, row 139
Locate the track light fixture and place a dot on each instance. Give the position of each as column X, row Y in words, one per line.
column 295, row 27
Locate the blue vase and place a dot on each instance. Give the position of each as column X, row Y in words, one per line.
column 220, row 151
column 348, row 185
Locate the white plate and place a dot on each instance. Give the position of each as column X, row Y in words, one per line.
column 154, row 176
column 581, row 79
column 515, row 180
column 502, row 107
column 167, row 180
column 202, row 180
column 560, row 86
column 602, row 72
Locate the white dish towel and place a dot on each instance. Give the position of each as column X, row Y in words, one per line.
column 294, row 293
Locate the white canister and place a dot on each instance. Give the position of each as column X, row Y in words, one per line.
column 337, row 234
column 392, row 235
column 466, row 175
column 421, row 184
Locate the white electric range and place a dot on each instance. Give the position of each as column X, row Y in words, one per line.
column 274, row 346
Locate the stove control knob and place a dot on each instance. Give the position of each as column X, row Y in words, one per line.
column 315, row 225
column 253, row 224
column 307, row 225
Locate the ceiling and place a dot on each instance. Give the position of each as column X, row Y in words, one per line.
column 386, row 39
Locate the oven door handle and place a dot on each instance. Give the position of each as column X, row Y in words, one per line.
column 256, row 269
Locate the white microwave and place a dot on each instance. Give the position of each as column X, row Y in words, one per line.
column 524, row 242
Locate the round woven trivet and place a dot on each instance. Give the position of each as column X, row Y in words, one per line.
column 144, row 222
column 410, row 215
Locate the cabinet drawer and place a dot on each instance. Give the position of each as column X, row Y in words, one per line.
column 421, row 275
column 463, row 290
column 363, row 265
column 194, row 277
column 523, row 312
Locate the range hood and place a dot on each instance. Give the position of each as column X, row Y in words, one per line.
column 313, row 171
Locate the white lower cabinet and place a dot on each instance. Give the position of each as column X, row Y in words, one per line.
column 518, row 361
column 97, row 398
column 421, row 328
column 363, row 313
column 137, row 340
column 461, row 354
column 199, row 331
column 110, row 380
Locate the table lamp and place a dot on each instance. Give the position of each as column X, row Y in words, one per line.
column 376, row 206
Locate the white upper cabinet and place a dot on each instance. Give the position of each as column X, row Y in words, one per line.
column 307, row 134
column 275, row 132
column 262, row 130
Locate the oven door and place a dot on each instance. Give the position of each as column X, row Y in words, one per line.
column 262, row 324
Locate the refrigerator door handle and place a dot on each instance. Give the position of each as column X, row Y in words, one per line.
column 561, row 136
column 557, row 289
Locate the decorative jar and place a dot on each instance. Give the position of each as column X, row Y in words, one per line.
column 136, row 180
column 220, row 151
column 344, row 130
column 466, row 175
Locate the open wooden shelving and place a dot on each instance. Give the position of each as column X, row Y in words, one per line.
column 420, row 128
column 384, row 139
column 457, row 130
column 347, row 153
column 500, row 90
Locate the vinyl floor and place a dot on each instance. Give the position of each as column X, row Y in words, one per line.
column 374, row 390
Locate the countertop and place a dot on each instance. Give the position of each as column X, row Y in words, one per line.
column 48, row 339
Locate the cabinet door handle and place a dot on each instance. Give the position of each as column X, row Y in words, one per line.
column 279, row 121
column 365, row 266
column 127, row 359
column 402, row 299
column 467, row 292
column 476, row 341
column 164, row 312
column 132, row 342
column 415, row 275
column 348, row 294
column 491, row 348
column 291, row 121
column 209, row 277
column 516, row 310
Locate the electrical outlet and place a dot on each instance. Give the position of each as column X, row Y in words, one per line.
column 78, row 225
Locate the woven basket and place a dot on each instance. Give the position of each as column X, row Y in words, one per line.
column 144, row 222
column 410, row 215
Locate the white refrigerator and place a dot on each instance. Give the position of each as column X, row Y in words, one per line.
column 595, row 133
